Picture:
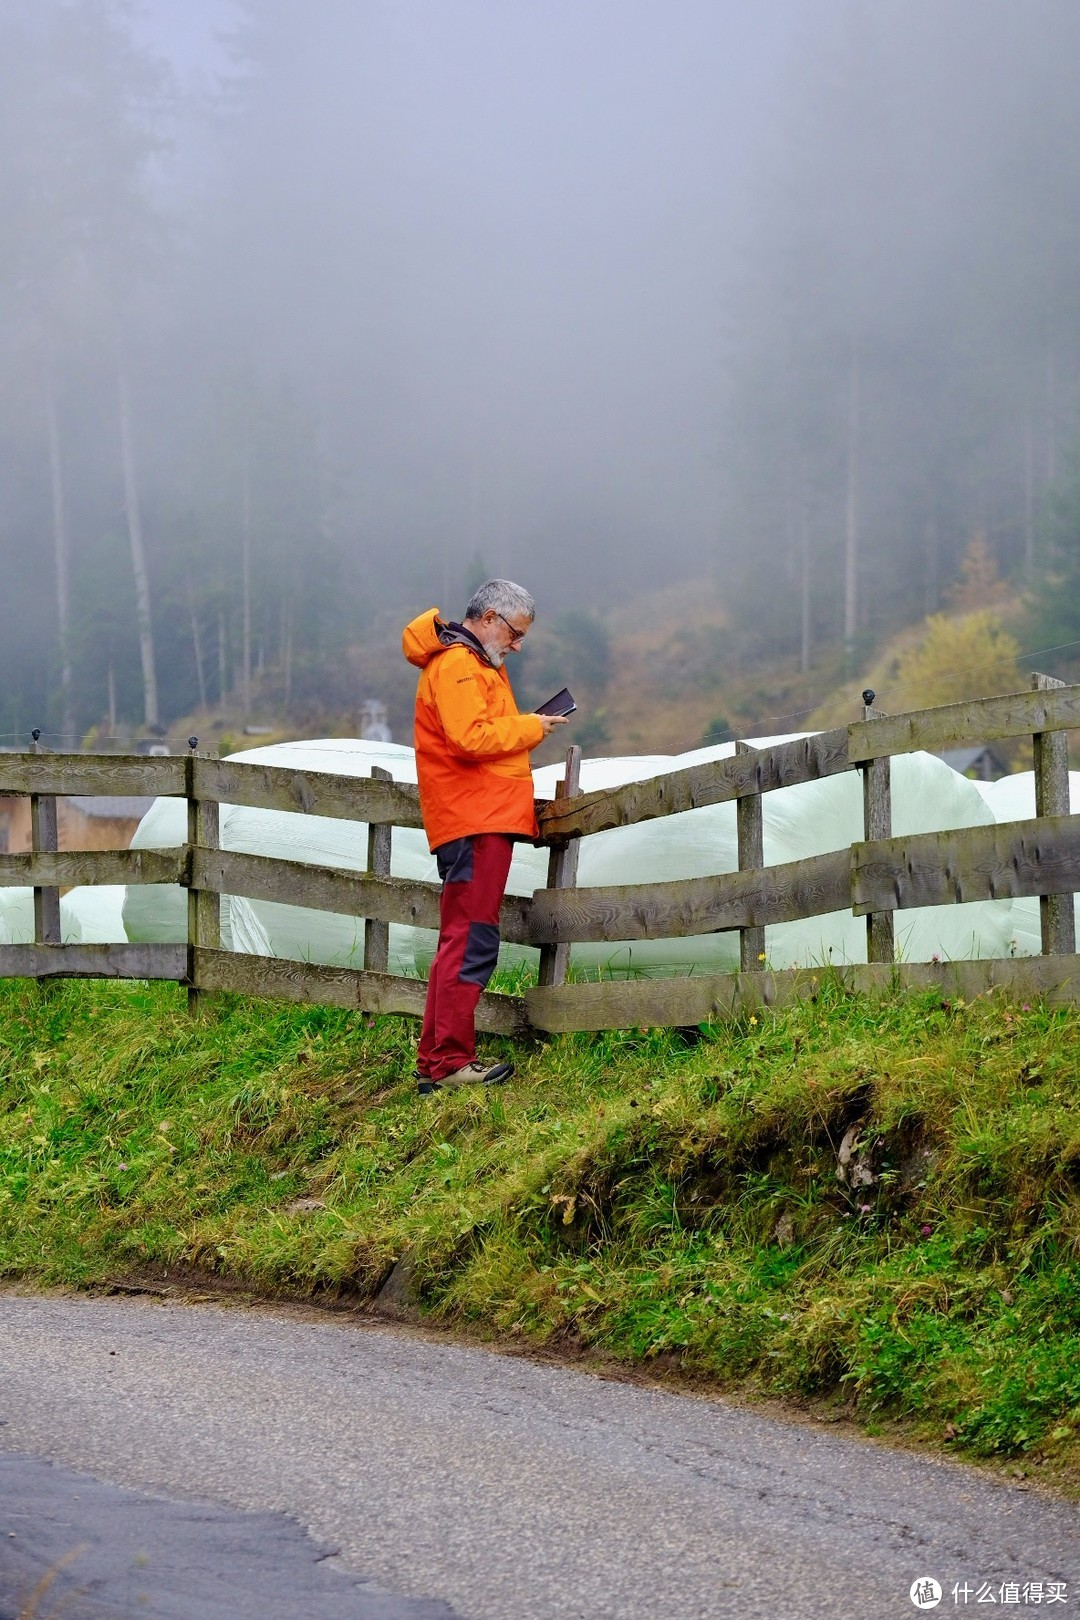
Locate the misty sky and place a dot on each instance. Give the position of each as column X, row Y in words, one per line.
column 495, row 235
column 601, row 294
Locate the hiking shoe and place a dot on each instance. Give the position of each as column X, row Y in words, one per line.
column 473, row 1074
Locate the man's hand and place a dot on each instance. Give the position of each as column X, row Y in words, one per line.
column 550, row 721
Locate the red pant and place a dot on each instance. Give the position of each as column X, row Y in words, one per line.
column 474, row 872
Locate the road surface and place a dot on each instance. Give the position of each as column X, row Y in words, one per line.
column 292, row 1465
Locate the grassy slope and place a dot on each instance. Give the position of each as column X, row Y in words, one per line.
column 662, row 1198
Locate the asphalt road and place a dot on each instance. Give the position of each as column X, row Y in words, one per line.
column 315, row 1465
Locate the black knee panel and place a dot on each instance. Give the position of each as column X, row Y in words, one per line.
column 481, row 953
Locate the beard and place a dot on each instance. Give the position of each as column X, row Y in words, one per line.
column 496, row 654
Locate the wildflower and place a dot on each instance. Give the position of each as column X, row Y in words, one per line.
column 936, row 959
column 761, row 956
column 753, row 1020
column 1026, row 1007
column 121, row 1167
column 864, row 1209
column 926, row 1231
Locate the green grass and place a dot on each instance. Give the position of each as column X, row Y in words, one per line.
column 667, row 1199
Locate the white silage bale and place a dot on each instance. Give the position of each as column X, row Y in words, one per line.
column 810, row 819
column 16, row 916
column 1012, row 798
column 300, row 933
column 93, row 915
column 89, row 915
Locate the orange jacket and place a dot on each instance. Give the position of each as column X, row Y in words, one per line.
column 472, row 745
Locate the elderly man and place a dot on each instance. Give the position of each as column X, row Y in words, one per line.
column 476, row 797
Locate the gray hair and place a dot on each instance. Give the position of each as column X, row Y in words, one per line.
column 502, row 595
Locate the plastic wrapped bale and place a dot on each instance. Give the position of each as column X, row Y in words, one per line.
column 93, row 915
column 16, row 916
column 810, row 819
column 89, row 915
column 158, row 913
column 927, row 796
column 1012, row 798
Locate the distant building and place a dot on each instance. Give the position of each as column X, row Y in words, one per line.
column 81, row 823
column 373, row 722
column 982, row 763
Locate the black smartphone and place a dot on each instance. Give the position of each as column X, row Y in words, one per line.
column 561, row 704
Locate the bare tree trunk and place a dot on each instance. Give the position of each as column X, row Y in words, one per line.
column 196, row 645
column 223, row 666
column 143, row 616
column 245, row 530
column 804, row 584
column 61, row 551
column 931, row 567
column 1029, row 494
column 288, row 615
column 1051, row 415
column 851, row 514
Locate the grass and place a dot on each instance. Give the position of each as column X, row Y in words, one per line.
column 868, row 1205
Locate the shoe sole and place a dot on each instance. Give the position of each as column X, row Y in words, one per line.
column 425, row 1086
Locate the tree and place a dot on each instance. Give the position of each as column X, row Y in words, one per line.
column 904, row 369
column 78, row 136
column 1054, row 621
column 979, row 585
column 957, row 658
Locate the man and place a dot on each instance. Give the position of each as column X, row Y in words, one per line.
column 476, row 797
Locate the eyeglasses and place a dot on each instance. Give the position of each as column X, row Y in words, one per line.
column 515, row 635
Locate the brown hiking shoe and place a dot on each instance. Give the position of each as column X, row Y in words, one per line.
column 473, row 1074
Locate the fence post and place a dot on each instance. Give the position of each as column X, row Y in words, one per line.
column 43, row 838
column 562, row 872
column 379, row 850
column 203, row 907
column 1051, row 759
column 877, row 823
column 749, row 825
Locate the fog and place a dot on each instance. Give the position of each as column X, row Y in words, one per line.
column 313, row 312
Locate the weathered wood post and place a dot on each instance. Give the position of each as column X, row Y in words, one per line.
column 562, row 872
column 204, row 906
column 1051, row 759
column 379, row 851
column 43, row 839
column 877, row 823
column 749, row 825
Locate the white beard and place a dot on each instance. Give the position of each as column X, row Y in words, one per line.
column 496, row 655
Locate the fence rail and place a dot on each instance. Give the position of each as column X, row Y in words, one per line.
column 690, row 906
column 758, row 770
column 973, row 863
column 1019, row 714
column 874, row 877
column 712, row 998
column 313, row 793
column 67, row 868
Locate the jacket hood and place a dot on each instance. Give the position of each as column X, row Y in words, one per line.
column 427, row 635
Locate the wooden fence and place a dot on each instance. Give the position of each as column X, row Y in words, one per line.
column 874, row 878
